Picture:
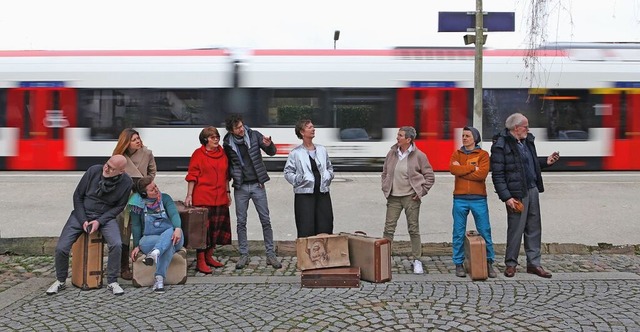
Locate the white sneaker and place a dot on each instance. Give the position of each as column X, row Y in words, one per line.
column 152, row 257
column 115, row 288
column 57, row 286
column 417, row 267
column 158, row 286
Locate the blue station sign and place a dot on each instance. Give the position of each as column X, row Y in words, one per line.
column 466, row 21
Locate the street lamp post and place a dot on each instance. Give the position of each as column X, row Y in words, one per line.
column 477, row 73
column 336, row 36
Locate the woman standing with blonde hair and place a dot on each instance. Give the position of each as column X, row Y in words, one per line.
column 140, row 163
column 208, row 186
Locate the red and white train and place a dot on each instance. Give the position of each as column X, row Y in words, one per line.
column 63, row 110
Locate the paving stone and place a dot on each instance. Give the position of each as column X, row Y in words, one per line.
column 422, row 304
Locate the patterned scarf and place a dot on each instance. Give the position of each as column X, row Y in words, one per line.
column 153, row 205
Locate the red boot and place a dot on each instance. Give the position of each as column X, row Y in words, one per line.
column 201, row 264
column 208, row 257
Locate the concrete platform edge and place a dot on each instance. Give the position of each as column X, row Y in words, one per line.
column 45, row 246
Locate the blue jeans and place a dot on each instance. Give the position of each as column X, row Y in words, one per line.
column 257, row 193
column 163, row 243
column 480, row 212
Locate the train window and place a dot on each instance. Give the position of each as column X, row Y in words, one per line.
column 498, row 104
column 359, row 113
column 568, row 114
column 284, row 107
column 563, row 114
column 108, row 111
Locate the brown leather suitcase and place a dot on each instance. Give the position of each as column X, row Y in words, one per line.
column 475, row 256
column 143, row 275
column 340, row 277
column 322, row 251
column 195, row 225
column 87, row 261
column 372, row 255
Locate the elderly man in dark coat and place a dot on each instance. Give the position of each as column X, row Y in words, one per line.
column 100, row 196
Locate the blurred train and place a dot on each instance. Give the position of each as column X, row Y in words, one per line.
column 63, row 110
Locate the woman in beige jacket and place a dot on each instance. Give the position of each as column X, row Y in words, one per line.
column 140, row 163
column 407, row 176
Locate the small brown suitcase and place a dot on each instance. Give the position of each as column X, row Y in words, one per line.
column 475, row 256
column 339, row 277
column 143, row 275
column 87, row 261
column 195, row 225
column 322, row 251
column 372, row 255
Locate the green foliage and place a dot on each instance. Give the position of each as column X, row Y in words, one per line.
column 356, row 116
column 290, row 114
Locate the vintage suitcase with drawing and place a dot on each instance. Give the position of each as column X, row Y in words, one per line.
column 372, row 255
column 339, row 277
column 87, row 261
column 322, row 251
column 195, row 225
column 143, row 275
column 475, row 256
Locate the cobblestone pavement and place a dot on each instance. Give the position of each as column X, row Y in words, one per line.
column 587, row 293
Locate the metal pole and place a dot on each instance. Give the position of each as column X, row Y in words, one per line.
column 477, row 75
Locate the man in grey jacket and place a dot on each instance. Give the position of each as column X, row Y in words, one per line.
column 100, row 196
column 242, row 146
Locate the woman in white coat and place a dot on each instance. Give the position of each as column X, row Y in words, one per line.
column 310, row 172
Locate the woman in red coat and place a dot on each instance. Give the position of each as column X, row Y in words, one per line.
column 208, row 186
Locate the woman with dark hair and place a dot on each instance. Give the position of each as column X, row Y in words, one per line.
column 309, row 170
column 208, row 186
column 157, row 228
column 140, row 163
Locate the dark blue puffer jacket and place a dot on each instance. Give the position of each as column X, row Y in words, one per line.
column 235, row 167
column 507, row 171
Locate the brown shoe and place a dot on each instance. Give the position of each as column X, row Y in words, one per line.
column 510, row 271
column 126, row 274
column 539, row 271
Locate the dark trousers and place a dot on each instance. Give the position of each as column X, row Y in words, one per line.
column 313, row 213
column 529, row 224
column 70, row 233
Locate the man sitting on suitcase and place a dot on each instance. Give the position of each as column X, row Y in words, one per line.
column 100, row 196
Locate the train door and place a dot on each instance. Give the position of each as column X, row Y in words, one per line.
column 435, row 112
column 40, row 115
column 624, row 117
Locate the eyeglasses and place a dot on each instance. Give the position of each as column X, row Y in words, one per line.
column 215, row 137
column 109, row 167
